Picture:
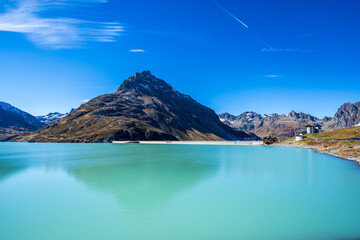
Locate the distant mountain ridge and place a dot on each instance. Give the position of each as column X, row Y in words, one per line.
column 143, row 108
column 15, row 122
column 281, row 126
column 285, row 126
column 52, row 117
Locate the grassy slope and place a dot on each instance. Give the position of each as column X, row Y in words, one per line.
column 323, row 142
column 344, row 133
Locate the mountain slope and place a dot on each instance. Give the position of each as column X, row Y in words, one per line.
column 143, row 108
column 348, row 115
column 15, row 122
column 279, row 125
column 337, row 143
column 286, row 126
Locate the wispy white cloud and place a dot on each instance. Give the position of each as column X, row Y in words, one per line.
column 56, row 32
column 272, row 76
column 85, row 100
column 285, row 50
column 137, row 50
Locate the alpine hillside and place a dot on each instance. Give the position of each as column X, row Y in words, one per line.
column 143, row 108
column 15, row 122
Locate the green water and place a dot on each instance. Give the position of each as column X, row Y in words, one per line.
column 119, row 191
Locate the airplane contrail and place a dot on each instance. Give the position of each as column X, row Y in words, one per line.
column 242, row 23
column 263, row 42
column 230, row 14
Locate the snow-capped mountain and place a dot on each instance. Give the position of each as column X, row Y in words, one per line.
column 51, row 117
column 15, row 122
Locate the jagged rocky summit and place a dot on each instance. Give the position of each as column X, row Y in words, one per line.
column 282, row 126
column 143, row 108
column 285, row 126
column 348, row 115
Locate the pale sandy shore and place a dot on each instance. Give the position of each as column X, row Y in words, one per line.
column 331, row 152
column 195, row 142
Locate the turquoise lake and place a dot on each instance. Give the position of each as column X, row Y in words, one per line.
column 132, row 191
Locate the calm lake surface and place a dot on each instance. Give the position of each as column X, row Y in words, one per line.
column 132, row 191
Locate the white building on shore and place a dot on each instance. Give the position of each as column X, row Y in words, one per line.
column 311, row 129
column 298, row 138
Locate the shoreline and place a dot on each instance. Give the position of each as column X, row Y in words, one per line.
column 249, row 143
column 317, row 149
column 256, row 143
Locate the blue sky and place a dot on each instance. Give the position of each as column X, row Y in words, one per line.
column 233, row 56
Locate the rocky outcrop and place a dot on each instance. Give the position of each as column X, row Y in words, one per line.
column 143, row 108
column 286, row 126
column 348, row 115
column 281, row 126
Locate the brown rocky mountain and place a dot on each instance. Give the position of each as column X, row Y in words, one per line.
column 286, row 126
column 281, row 126
column 347, row 115
column 143, row 108
column 15, row 122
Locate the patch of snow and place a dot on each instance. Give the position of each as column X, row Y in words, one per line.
column 51, row 117
column 13, row 109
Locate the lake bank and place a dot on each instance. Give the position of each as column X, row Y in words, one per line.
column 194, row 142
column 337, row 149
column 348, row 151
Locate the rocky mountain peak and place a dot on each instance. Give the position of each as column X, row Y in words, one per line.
column 347, row 116
column 249, row 116
column 293, row 114
column 146, row 83
column 227, row 116
column 143, row 108
column 282, row 126
column 143, row 75
column 302, row 116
